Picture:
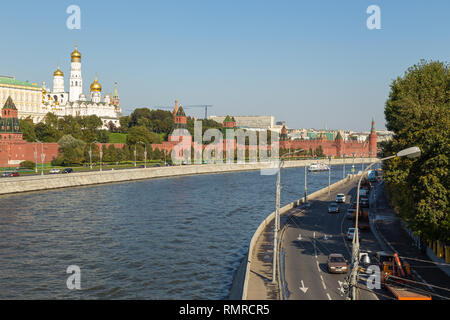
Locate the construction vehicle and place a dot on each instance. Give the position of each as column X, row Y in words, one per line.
column 396, row 277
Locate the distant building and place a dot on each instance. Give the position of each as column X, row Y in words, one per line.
column 26, row 96
column 250, row 122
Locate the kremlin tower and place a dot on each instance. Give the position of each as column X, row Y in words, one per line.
column 373, row 141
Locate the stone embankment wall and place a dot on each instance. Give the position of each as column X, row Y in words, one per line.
column 47, row 182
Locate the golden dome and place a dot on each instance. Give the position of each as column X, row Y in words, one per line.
column 58, row 73
column 96, row 86
column 76, row 55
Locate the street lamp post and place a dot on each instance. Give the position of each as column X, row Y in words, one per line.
column 42, row 158
column 90, row 156
column 329, row 175
column 145, row 153
column 412, row 152
column 35, row 159
column 306, row 186
column 343, row 167
column 100, row 153
column 135, row 154
column 353, row 163
column 277, row 214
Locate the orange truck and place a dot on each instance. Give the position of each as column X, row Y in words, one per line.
column 397, row 277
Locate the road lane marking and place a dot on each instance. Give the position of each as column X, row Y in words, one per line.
column 303, row 287
column 328, row 295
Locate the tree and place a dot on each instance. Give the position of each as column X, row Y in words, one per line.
column 71, row 150
column 28, row 131
column 141, row 133
column 319, row 151
column 418, row 112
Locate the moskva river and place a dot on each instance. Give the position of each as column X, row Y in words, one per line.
column 175, row 238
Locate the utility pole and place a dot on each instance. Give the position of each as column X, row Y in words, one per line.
column 42, row 158
column 343, row 167
column 306, row 186
column 35, row 159
column 329, row 175
column 277, row 216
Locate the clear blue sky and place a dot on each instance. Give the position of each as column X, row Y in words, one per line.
column 310, row 63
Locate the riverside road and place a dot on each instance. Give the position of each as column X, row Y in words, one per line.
column 309, row 237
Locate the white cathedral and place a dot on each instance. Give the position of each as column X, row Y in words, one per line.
column 74, row 102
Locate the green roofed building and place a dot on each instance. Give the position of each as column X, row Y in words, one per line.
column 27, row 97
column 9, row 123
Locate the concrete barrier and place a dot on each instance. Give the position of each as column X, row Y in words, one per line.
column 46, row 182
column 271, row 217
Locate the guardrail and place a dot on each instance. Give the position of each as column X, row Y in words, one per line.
column 271, row 217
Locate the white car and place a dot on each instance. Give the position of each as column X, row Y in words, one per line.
column 351, row 233
column 54, row 171
column 340, row 197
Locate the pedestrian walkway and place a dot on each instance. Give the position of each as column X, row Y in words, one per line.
column 395, row 238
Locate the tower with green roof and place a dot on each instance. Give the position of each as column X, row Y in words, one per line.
column 9, row 124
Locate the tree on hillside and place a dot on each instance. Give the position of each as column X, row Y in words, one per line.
column 418, row 112
column 141, row 133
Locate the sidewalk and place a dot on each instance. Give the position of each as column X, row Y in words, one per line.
column 388, row 226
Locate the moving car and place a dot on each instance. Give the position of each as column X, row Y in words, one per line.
column 351, row 233
column 340, row 198
column 333, row 208
column 350, row 213
column 337, row 263
column 67, row 170
column 364, row 202
column 10, row 174
column 54, row 171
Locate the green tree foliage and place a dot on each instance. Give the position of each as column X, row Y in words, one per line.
column 141, row 133
column 158, row 121
column 319, row 152
column 418, row 112
column 27, row 165
column 71, row 150
column 27, row 127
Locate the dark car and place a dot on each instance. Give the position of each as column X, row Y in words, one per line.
column 14, row 174
column 337, row 263
column 364, row 202
column 333, row 208
column 67, row 170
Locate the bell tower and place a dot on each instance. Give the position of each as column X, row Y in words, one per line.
column 76, row 81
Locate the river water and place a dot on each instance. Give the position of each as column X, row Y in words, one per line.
column 173, row 238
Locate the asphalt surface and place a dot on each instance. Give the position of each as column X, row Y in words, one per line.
column 398, row 240
column 309, row 236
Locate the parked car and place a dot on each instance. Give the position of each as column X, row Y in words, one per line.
column 54, row 171
column 337, row 263
column 67, row 170
column 6, row 174
column 340, row 198
column 333, row 208
column 351, row 233
column 10, row 174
